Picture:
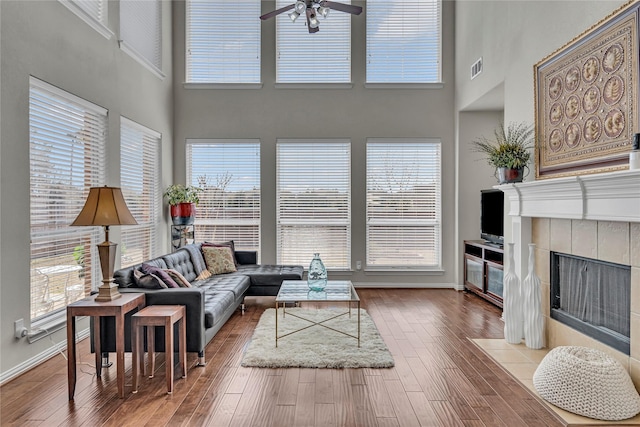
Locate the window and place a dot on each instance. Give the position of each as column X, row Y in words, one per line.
column 229, row 173
column 313, row 202
column 93, row 12
column 403, row 41
column 141, row 32
column 323, row 57
column 67, row 138
column 223, row 41
column 403, row 203
column 140, row 183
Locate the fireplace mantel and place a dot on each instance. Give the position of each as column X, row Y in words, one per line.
column 613, row 196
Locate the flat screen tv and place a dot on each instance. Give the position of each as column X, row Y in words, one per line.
column 492, row 216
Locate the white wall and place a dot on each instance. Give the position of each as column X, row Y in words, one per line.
column 44, row 39
column 356, row 113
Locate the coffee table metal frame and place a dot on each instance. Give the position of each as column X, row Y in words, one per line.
column 296, row 291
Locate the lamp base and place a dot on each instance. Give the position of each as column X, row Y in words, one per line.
column 107, row 293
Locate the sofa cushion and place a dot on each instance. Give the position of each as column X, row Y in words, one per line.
column 178, row 277
column 150, row 269
column 236, row 283
column 227, row 244
column 124, row 277
column 148, row 280
column 271, row 275
column 216, row 303
column 219, row 259
column 182, row 262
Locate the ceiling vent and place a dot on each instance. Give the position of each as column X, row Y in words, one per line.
column 476, row 68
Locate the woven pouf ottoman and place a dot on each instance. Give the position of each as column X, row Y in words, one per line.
column 587, row 382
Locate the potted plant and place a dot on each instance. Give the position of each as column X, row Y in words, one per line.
column 509, row 150
column 183, row 200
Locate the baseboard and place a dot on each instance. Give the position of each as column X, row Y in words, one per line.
column 388, row 285
column 23, row 367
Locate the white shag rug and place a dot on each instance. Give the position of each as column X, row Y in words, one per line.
column 316, row 347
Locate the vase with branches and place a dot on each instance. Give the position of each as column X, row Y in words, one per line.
column 508, row 151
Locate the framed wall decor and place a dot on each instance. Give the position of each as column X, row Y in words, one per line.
column 586, row 99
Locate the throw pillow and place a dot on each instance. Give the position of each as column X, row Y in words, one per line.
column 148, row 281
column 204, row 275
column 228, row 244
column 219, row 259
column 178, row 278
column 150, row 269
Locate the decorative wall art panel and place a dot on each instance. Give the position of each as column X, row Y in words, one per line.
column 586, row 97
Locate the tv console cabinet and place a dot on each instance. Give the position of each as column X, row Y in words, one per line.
column 484, row 270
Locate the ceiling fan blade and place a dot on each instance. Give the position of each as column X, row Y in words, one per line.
column 277, row 12
column 354, row 10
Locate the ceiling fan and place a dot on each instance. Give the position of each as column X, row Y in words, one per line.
column 313, row 8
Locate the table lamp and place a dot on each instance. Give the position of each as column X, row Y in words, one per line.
column 105, row 206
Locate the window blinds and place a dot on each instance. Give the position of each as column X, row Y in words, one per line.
column 141, row 29
column 96, row 9
column 140, row 183
column 67, row 138
column 313, row 202
column 403, row 203
column 229, row 173
column 404, row 41
column 223, row 41
column 323, row 57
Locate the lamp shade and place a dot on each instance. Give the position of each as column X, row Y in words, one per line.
column 105, row 206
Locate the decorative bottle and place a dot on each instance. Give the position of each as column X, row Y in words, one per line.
column 532, row 302
column 317, row 277
column 512, row 303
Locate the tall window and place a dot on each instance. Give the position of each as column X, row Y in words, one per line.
column 403, row 203
column 67, row 138
column 404, row 41
column 140, row 182
column 141, row 31
column 313, row 199
column 322, row 57
column 229, row 173
column 223, row 41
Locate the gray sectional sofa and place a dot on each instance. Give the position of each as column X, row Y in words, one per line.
column 209, row 303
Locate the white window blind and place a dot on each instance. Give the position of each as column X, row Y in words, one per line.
column 229, row 173
column 313, row 202
column 140, row 183
column 93, row 12
column 141, row 31
column 322, row 57
column 223, row 41
column 403, row 203
column 67, row 138
column 404, row 41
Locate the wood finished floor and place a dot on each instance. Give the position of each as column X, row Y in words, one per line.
column 440, row 379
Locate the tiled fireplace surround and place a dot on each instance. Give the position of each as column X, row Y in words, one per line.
column 594, row 216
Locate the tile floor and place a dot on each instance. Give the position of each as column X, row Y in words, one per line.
column 521, row 362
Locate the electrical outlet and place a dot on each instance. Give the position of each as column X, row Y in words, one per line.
column 358, row 265
column 19, row 331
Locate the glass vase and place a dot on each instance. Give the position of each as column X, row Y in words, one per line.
column 532, row 303
column 317, row 277
column 512, row 303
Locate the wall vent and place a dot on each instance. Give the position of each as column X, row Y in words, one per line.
column 476, row 68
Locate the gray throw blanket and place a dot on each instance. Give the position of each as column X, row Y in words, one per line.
column 196, row 257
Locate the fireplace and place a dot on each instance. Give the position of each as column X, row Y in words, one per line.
column 592, row 297
column 593, row 216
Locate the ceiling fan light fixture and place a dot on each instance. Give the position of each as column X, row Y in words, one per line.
column 293, row 16
column 300, row 7
column 313, row 21
column 323, row 11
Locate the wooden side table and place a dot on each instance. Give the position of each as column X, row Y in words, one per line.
column 89, row 307
column 159, row 315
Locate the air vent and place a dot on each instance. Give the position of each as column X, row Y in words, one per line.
column 476, row 68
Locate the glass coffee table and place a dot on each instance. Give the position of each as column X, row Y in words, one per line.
column 296, row 291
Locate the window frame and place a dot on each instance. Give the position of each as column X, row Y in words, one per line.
column 306, row 221
column 99, row 23
column 54, row 144
column 402, row 221
column 148, row 212
column 406, row 84
column 251, row 145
